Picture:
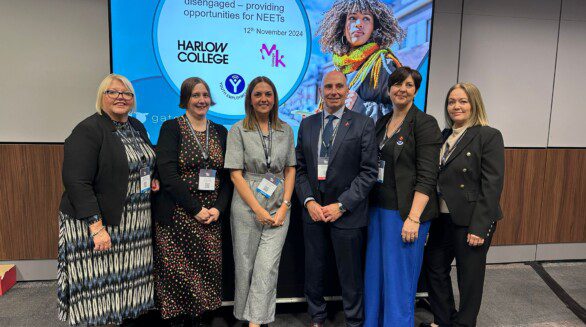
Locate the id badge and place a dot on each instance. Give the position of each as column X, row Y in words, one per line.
column 381, row 171
column 207, row 180
column 268, row 185
column 145, row 179
column 322, row 168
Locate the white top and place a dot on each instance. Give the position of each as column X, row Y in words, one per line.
column 452, row 139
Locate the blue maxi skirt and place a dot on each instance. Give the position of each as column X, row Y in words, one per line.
column 392, row 270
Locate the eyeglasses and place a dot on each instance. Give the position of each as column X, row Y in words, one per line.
column 114, row 94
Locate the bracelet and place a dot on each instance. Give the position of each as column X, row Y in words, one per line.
column 413, row 220
column 93, row 219
column 98, row 232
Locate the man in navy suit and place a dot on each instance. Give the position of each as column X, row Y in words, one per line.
column 337, row 167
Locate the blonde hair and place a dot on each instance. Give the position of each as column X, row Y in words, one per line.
column 477, row 113
column 105, row 84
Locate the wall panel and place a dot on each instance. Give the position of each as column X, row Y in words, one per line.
column 533, row 9
column 53, row 56
column 30, row 191
column 443, row 69
column 564, row 197
column 568, row 114
column 512, row 60
column 522, row 197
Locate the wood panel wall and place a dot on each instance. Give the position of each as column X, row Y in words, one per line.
column 563, row 217
column 522, row 197
column 544, row 198
column 30, row 189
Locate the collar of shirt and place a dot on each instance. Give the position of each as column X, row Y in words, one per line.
column 338, row 113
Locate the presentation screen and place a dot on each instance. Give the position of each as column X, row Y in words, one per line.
column 158, row 44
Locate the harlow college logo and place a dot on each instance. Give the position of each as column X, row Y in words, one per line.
column 274, row 53
column 234, row 83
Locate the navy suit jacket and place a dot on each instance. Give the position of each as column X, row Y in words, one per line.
column 352, row 168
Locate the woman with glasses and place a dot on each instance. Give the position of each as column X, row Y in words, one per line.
column 261, row 159
column 195, row 192
column 105, row 247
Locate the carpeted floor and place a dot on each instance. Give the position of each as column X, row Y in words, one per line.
column 514, row 296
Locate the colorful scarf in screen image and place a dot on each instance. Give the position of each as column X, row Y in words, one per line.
column 364, row 59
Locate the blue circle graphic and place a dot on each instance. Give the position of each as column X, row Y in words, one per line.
column 234, row 84
column 265, row 45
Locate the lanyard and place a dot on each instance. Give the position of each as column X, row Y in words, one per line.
column 334, row 132
column 207, row 148
column 267, row 149
column 133, row 142
column 448, row 151
column 386, row 138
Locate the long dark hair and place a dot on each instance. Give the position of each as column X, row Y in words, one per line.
column 250, row 120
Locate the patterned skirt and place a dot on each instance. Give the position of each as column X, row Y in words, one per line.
column 188, row 266
column 98, row 288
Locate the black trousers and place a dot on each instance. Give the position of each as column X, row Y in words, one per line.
column 446, row 242
column 348, row 246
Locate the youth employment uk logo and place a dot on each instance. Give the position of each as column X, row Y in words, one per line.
column 273, row 54
column 234, row 84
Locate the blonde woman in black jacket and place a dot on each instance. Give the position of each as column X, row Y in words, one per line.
column 470, row 183
column 105, row 265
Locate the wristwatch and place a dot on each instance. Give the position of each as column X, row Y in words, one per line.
column 287, row 203
column 341, row 207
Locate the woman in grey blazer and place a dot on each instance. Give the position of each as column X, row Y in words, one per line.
column 470, row 182
column 261, row 157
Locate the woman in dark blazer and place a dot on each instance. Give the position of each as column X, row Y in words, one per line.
column 402, row 203
column 105, row 244
column 195, row 192
column 470, row 183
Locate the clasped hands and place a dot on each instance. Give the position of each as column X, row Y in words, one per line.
column 474, row 240
column 327, row 214
column 208, row 216
column 276, row 220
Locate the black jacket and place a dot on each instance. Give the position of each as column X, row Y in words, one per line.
column 375, row 102
column 471, row 181
column 416, row 160
column 351, row 171
column 95, row 169
column 173, row 189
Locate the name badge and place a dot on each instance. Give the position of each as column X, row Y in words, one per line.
column 322, row 168
column 381, row 171
column 145, row 179
column 207, row 180
column 268, row 185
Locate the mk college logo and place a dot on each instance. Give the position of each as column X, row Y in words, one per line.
column 273, row 53
column 234, row 84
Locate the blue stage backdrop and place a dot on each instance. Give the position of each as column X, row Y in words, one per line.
column 157, row 44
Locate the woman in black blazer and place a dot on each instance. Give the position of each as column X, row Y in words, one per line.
column 470, row 183
column 195, row 192
column 402, row 203
column 105, row 244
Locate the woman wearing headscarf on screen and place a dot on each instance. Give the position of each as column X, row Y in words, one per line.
column 105, row 258
column 195, row 192
column 359, row 34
